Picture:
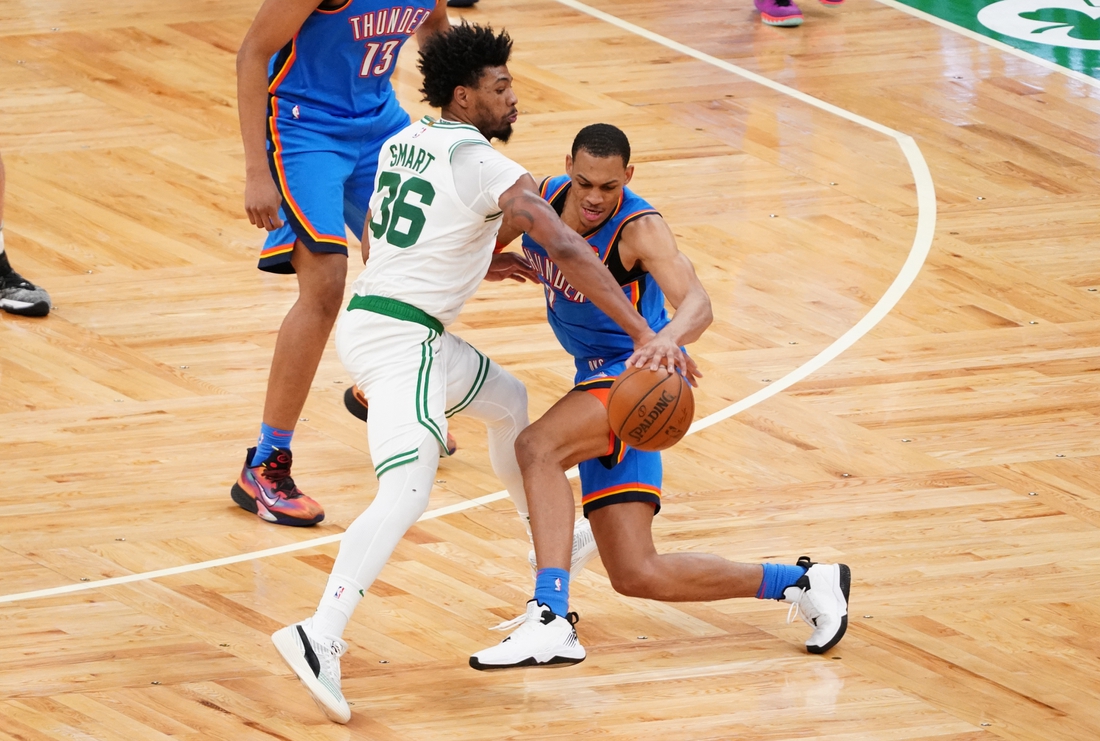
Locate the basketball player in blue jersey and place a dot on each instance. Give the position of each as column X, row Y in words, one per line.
column 316, row 104
column 621, row 486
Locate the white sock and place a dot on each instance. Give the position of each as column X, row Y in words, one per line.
column 402, row 497
column 339, row 601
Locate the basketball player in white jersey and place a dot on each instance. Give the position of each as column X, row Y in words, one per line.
column 441, row 195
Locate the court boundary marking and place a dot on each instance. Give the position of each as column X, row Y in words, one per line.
column 922, row 244
column 999, row 45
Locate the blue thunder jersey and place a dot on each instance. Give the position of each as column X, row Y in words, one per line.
column 585, row 332
column 340, row 61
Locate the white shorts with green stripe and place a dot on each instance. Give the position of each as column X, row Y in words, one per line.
column 414, row 378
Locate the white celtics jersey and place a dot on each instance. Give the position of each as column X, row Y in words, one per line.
column 427, row 248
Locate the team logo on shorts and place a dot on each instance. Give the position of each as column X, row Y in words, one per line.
column 296, row 111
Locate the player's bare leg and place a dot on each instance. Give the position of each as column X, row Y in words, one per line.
column 573, row 430
column 576, row 429
column 265, row 485
column 625, row 538
column 304, row 333
column 818, row 593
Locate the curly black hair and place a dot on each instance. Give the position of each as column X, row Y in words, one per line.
column 459, row 56
column 602, row 140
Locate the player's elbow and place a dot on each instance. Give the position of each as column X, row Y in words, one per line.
column 564, row 251
column 249, row 55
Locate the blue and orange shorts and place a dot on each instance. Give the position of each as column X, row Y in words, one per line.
column 324, row 166
column 622, row 474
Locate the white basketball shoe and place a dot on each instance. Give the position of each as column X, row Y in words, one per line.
column 542, row 638
column 316, row 661
column 820, row 598
column 584, row 549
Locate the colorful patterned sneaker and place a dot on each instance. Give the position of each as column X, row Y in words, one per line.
column 584, row 549
column 316, row 661
column 356, row 403
column 820, row 598
column 268, row 491
column 779, row 12
column 19, row 296
column 542, row 638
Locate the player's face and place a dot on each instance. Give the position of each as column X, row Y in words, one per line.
column 598, row 184
column 494, row 103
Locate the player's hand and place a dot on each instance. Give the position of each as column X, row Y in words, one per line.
column 511, row 265
column 262, row 200
column 662, row 352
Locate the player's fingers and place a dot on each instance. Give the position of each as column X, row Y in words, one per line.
column 675, row 362
column 693, row 368
column 692, row 374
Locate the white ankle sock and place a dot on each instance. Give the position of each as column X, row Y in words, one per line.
column 341, row 597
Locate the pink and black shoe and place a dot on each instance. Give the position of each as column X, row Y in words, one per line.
column 268, row 491
column 780, row 12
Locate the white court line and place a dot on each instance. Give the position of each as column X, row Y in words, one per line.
column 922, row 243
column 999, row 45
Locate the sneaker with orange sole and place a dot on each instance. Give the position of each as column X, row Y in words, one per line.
column 268, row 491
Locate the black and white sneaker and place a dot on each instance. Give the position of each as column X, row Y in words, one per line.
column 316, row 661
column 820, row 598
column 19, row 296
column 542, row 638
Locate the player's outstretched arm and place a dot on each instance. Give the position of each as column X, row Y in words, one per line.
column 650, row 242
column 434, row 23
column 275, row 24
column 526, row 211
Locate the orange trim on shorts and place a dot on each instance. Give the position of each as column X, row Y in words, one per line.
column 280, row 169
column 601, row 389
column 275, row 250
column 597, row 495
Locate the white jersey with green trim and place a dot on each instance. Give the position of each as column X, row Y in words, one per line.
column 428, row 248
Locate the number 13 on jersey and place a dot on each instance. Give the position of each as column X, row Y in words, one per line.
column 385, row 61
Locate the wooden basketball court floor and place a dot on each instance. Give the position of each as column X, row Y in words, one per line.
column 949, row 455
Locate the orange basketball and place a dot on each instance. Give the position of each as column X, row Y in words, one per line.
column 650, row 410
